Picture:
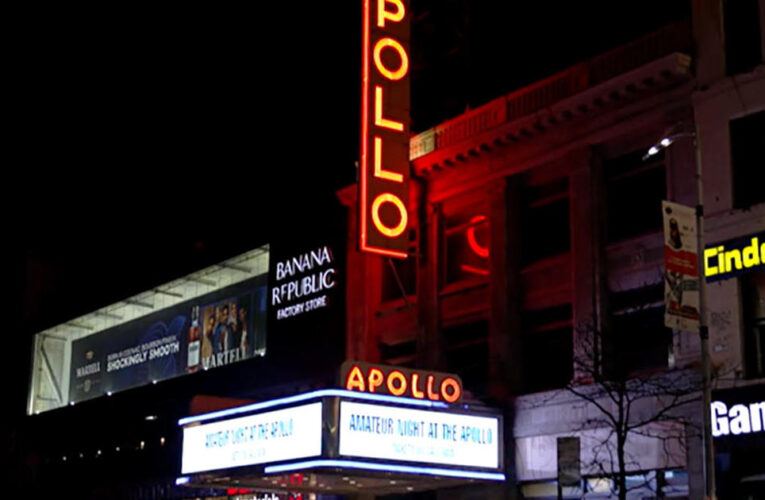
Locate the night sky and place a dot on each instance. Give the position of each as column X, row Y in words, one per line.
column 150, row 142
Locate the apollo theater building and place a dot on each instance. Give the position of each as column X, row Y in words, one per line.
column 489, row 322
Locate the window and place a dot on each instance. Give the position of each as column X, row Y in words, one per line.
column 467, row 245
column 467, row 354
column 405, row 275
column 753, row 301
column 634, row 192
column 742, row 36
column 747, row 148
column 546, row 229
column 640, row 341
column 548, row 347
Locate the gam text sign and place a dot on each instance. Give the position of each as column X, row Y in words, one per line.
column 737, row 419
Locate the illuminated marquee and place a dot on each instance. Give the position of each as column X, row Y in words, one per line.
column 254, row 439
column 734, row 257
column 398, row 381
column 413, row 435
column 339, row 431
column 383, row 183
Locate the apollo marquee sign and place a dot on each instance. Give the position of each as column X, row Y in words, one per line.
column 399, row 381
column 346, row 432
column 384, row 165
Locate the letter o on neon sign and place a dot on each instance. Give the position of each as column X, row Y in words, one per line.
column 396, row 383
column 450, row 390
column 390, row 232
column 387, row 73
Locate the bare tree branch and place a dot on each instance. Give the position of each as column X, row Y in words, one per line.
column 651, row 406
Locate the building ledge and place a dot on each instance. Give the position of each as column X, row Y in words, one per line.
column 566, row 97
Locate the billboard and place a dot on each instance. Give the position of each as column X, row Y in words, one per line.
column 209, row 331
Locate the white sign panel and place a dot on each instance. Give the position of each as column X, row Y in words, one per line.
column 402, row 434
column 738, row 419
column 254, row 439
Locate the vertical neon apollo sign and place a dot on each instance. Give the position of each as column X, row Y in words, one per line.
column 384, row 176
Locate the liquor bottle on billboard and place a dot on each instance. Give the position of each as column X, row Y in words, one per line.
column 195, row 340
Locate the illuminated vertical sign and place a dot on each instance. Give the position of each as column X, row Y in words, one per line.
column 384, row 176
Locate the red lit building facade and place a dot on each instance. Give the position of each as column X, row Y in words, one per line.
column 535, row 223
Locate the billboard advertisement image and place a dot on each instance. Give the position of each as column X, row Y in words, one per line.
column 210, row 331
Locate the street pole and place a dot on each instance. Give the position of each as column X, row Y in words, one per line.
column 709, row 456
column 708, row 445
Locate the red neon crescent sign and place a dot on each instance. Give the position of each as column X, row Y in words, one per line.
column 384, row 176
column 476, row 247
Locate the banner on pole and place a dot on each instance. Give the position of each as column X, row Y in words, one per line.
column 681, row 267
